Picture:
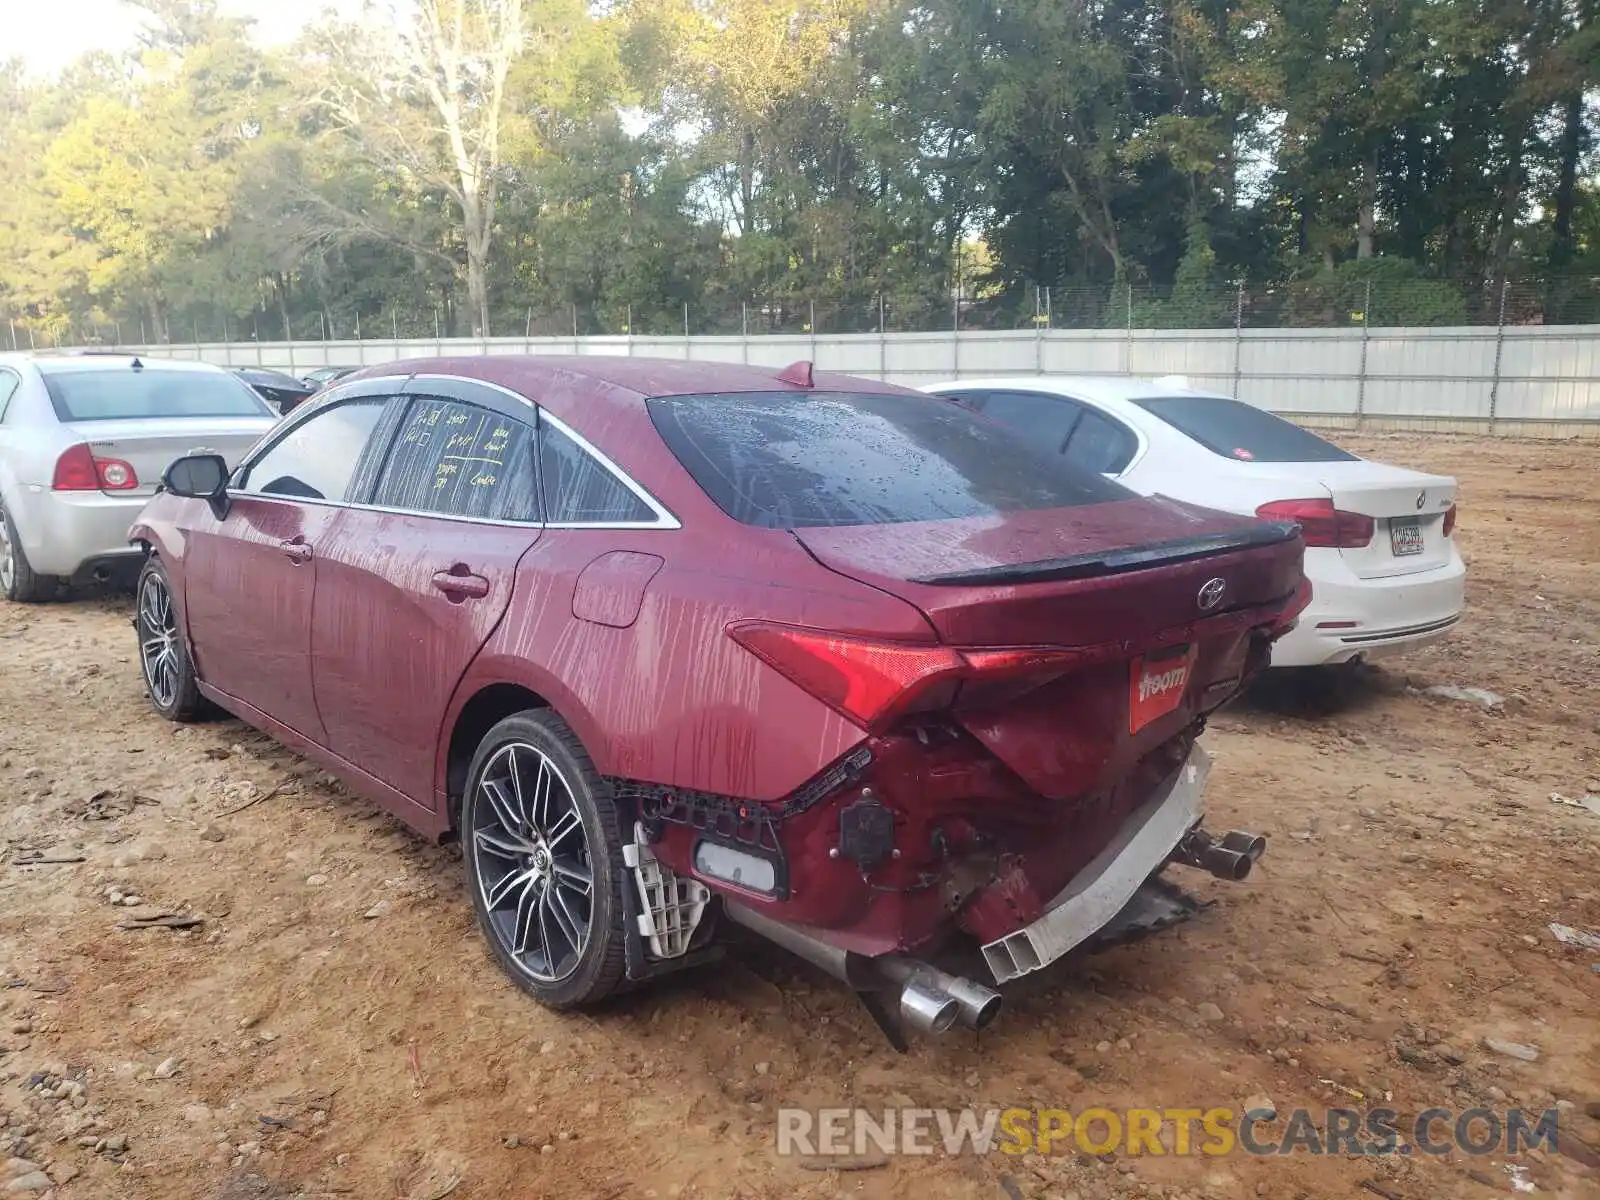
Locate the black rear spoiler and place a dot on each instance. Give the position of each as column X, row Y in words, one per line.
column 1133, row 558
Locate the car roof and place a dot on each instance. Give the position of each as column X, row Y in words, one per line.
column 1091, row 387
column 62, row 364
column 639, row 378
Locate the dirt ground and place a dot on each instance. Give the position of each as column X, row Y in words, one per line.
column 335, row 1028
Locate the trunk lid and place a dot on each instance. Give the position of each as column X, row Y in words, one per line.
column 1408, row 507
column 149, row 444
column 1130, row 583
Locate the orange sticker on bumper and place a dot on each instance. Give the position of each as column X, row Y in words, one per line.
column 1156, row 684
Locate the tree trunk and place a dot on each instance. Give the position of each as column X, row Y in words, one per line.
column 747, row 181
column 475, row 225
column 1563, row 247
column 1510, row 202
column 1367, row 212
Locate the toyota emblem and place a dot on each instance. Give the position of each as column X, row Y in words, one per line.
column 1211, row 592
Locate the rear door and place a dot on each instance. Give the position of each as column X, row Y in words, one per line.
column 249, row 578
column 412, row 581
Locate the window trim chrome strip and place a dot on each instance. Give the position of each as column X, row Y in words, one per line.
column 664, row 517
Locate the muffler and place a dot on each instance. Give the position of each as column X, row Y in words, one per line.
column 1230, row 858
column 920, row 995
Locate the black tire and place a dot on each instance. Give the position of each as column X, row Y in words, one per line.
column 20, row 582
column 531, row 890
column 169, row 678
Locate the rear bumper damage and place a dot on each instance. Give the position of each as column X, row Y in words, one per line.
column 1116, row 898
column 1146, row 842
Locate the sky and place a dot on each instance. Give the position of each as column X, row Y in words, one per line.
column 49, row 34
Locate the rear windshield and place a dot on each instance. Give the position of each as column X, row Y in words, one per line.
column 122, row 393
column 788, row 460
column 1241, row 431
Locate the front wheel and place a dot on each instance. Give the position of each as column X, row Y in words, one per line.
column 541, row 838
column 169, row 676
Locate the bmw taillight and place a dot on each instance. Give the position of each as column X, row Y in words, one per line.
column 875, row 682
column 78, row 470
column 1449, row 520
column 1321, row 524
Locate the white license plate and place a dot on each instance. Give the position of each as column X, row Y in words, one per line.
column 1405, row 537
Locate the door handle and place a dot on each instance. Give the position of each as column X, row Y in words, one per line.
column 296, row 550
column 458, row 586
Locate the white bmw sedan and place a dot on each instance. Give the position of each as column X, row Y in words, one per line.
column 1384, row 568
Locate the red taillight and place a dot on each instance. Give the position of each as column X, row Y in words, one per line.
column 874, row 682
column 1449, row 520
column 75, row 471
column 1321, row 523
column 78, row 470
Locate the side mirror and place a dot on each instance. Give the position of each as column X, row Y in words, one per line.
column 199, row 477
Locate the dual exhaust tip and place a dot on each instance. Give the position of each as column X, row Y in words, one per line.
column 932, row 1001
column 1231, row 857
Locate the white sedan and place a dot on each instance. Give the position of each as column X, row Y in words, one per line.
column 1384, row 568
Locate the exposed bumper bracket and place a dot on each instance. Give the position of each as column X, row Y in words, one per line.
column 1101, row 891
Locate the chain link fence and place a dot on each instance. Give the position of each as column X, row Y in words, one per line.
column 1337, row 302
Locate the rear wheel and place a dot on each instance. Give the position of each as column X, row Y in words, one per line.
column 169, row 676
column 20, row 582
column 543, row 848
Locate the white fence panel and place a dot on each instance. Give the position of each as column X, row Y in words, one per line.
column 1476, row 375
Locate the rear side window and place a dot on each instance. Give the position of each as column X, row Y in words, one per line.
column 461, row 460
column 122, row 393
column 787, row 460
column 578, row 490
column 1241, row 431
column 9, row 384
column 317, row 458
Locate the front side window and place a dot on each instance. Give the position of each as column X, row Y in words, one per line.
column 460, row 460
column 1046, row 422
column 788, row 460
column 1241, row 431
column 126, row 393
column 578, row 490
column 316, row 460
column 1100, row 444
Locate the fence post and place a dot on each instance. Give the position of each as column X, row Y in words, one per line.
column 883, row 344
column 13, row 326
column 813, row 311
column 1366, row 337
column 630, row 329
column 1038, row 332
column 1238, row 338
column 1127, row 345
column 1499, row 349
column 686, row 327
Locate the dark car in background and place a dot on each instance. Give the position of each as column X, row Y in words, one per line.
column 323, row 376
column 283, row 391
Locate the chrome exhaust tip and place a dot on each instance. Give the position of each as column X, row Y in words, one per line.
column 1231, row 858
column 927, row 1009
column 979, row 1005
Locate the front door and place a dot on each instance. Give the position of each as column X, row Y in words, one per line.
column 250, row 624
column 410, row 588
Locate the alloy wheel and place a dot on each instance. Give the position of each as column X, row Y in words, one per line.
column 158, row 640
column 8, row 558
column 533, row 862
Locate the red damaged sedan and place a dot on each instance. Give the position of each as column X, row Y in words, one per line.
column 669, row 645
